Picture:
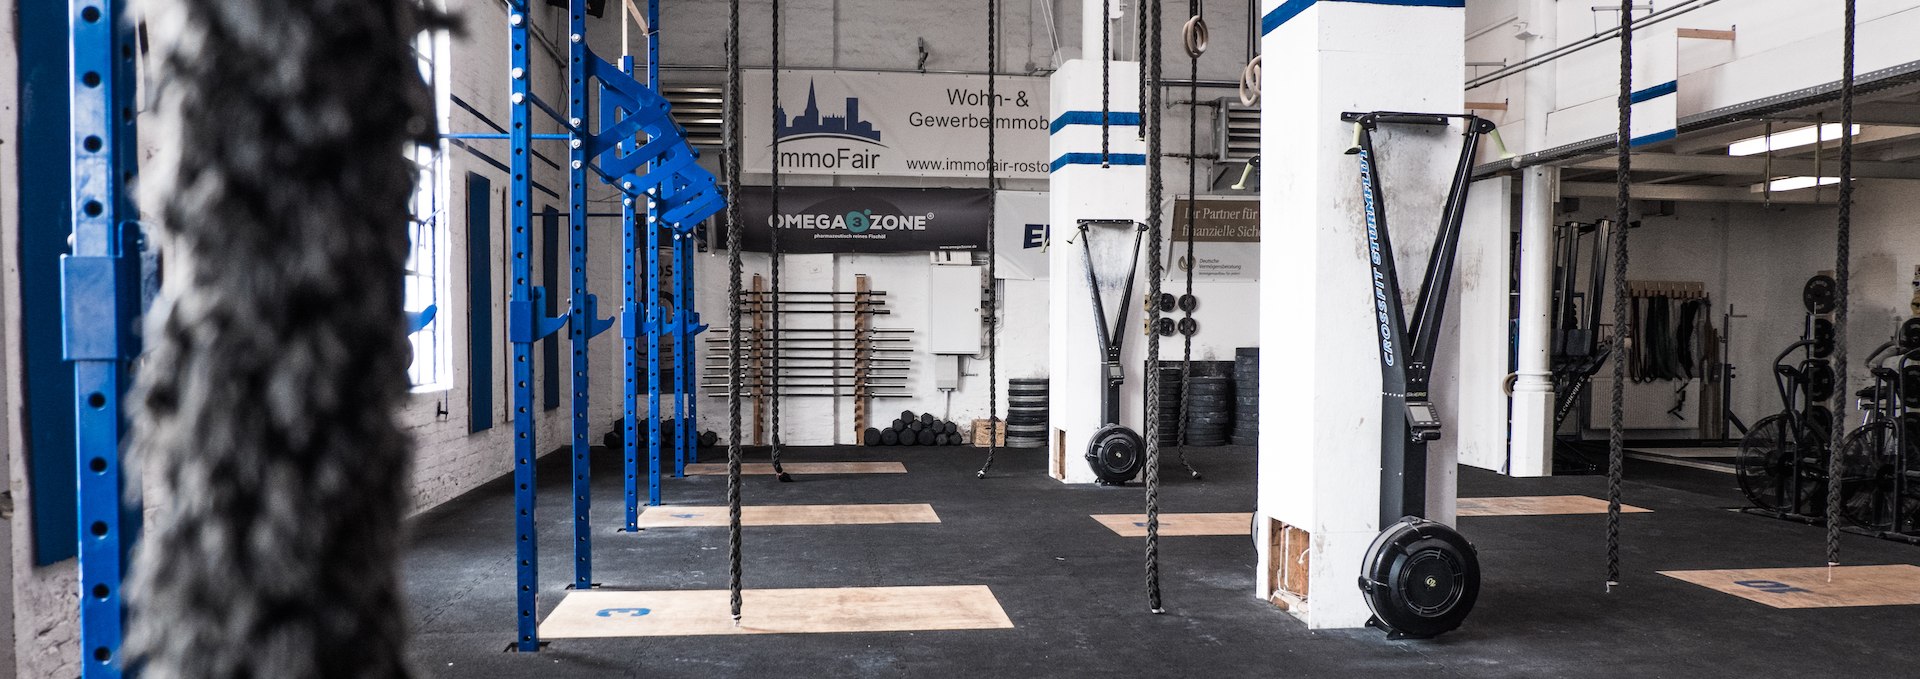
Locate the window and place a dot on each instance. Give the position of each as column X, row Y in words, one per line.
column 428, row 235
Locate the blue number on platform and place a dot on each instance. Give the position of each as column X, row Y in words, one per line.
column 628, row 612
column 1769, row 586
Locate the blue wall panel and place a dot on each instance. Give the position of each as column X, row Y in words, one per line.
column 45, row 223
column 480, row 302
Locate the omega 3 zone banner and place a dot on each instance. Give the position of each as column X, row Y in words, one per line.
column 816, row 219
column 894, row 124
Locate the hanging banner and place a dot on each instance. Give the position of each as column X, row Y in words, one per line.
column 894, row 124
column 1020, row 235
column 1226, row 238
column 817, row 219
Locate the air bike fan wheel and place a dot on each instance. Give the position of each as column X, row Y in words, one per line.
column 1116, row 454
column 1420, row 579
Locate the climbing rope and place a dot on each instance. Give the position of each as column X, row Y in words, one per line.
column 773, row 249
column 1616, row 454
column 276, row 434
column 1844, row 241
column 993, row 295
column 1106, row 81
column 731, row 158
column 1155, row 272
column 1194, row 36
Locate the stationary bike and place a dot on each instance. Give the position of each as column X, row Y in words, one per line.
column 1880, row 460
column 1782, row 463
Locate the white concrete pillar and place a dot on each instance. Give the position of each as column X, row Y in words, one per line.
column 1320, row 385
column 1081, row 188
column 1531, row 444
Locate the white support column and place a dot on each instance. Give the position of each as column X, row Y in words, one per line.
column 1320, row 390
column 1531, row 444
column 1081, row 189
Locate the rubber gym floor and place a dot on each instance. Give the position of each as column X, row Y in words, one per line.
column 1075, row 590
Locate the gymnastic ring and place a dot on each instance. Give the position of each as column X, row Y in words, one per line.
column 1250, row 83
column 1194, row 35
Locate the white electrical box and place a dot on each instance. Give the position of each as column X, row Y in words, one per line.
column 954, row 323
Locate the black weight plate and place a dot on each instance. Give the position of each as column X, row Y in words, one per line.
column 1820, row 425
column 1189, row 327
column 1822, row 338
column 1026, row 443
column 1243, row 441
column 1420, row 578
column 1819, row 379
column 613, row 440
column 1189, row 302
column 914, row 425
column 910, row 437
column 907, row 415
column 953, row 428
column 890, row 437
column 1115, row 453
column 1820, row 295
column 1017, row 381
column 926, row 437
column 1196, row 442
column 1910, row 386
column 870, row 437
column 1246, row 400
column 709, row 439
column 1166, row 302
column 927, row 418
column 1165, row 326
column 1247, row 351
column 1910, row 334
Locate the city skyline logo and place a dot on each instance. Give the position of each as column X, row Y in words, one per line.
column 811, row 125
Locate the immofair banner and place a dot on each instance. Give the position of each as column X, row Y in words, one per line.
column 818, row 219
column 1226, row 238
column 894, row 124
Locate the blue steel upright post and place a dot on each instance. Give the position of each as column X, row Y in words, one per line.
column 686, row 427
column 578, row 320
column 527, row 323
column 100, row 302
column 656, row 322
column 630, row 310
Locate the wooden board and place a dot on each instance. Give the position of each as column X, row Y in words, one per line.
column 788, row 515
column 1135, row 525
column 1538, row 505
column 1895, row 585
column 607, row 613
column 766, row 468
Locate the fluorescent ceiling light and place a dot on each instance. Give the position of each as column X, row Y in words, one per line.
column 1794, row 184
column 1786, row 140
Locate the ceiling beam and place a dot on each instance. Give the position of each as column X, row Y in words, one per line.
column 1756, row 167
column 1696, row 193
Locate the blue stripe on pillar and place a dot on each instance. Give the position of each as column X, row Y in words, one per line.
column 1654, row 138
column 1655, row 92
column 1093, row 118
column 1292, row 8
column 1094, row 159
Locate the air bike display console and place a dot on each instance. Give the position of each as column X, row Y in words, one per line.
column 1115, row 451
column 1420, row 577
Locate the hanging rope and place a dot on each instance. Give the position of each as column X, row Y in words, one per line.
column 1844, row 238
column 1616, row 434
column 274, row 434
column 773, row 248
column 1155, row 272
column 1106, row 80
column 731, row 158
column 993, row 283
column 1194, row 36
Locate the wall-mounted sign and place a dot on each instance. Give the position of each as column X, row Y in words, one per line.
column 1226, row 238
column 816, row 219
column 1021, row 234
column 898, row 124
